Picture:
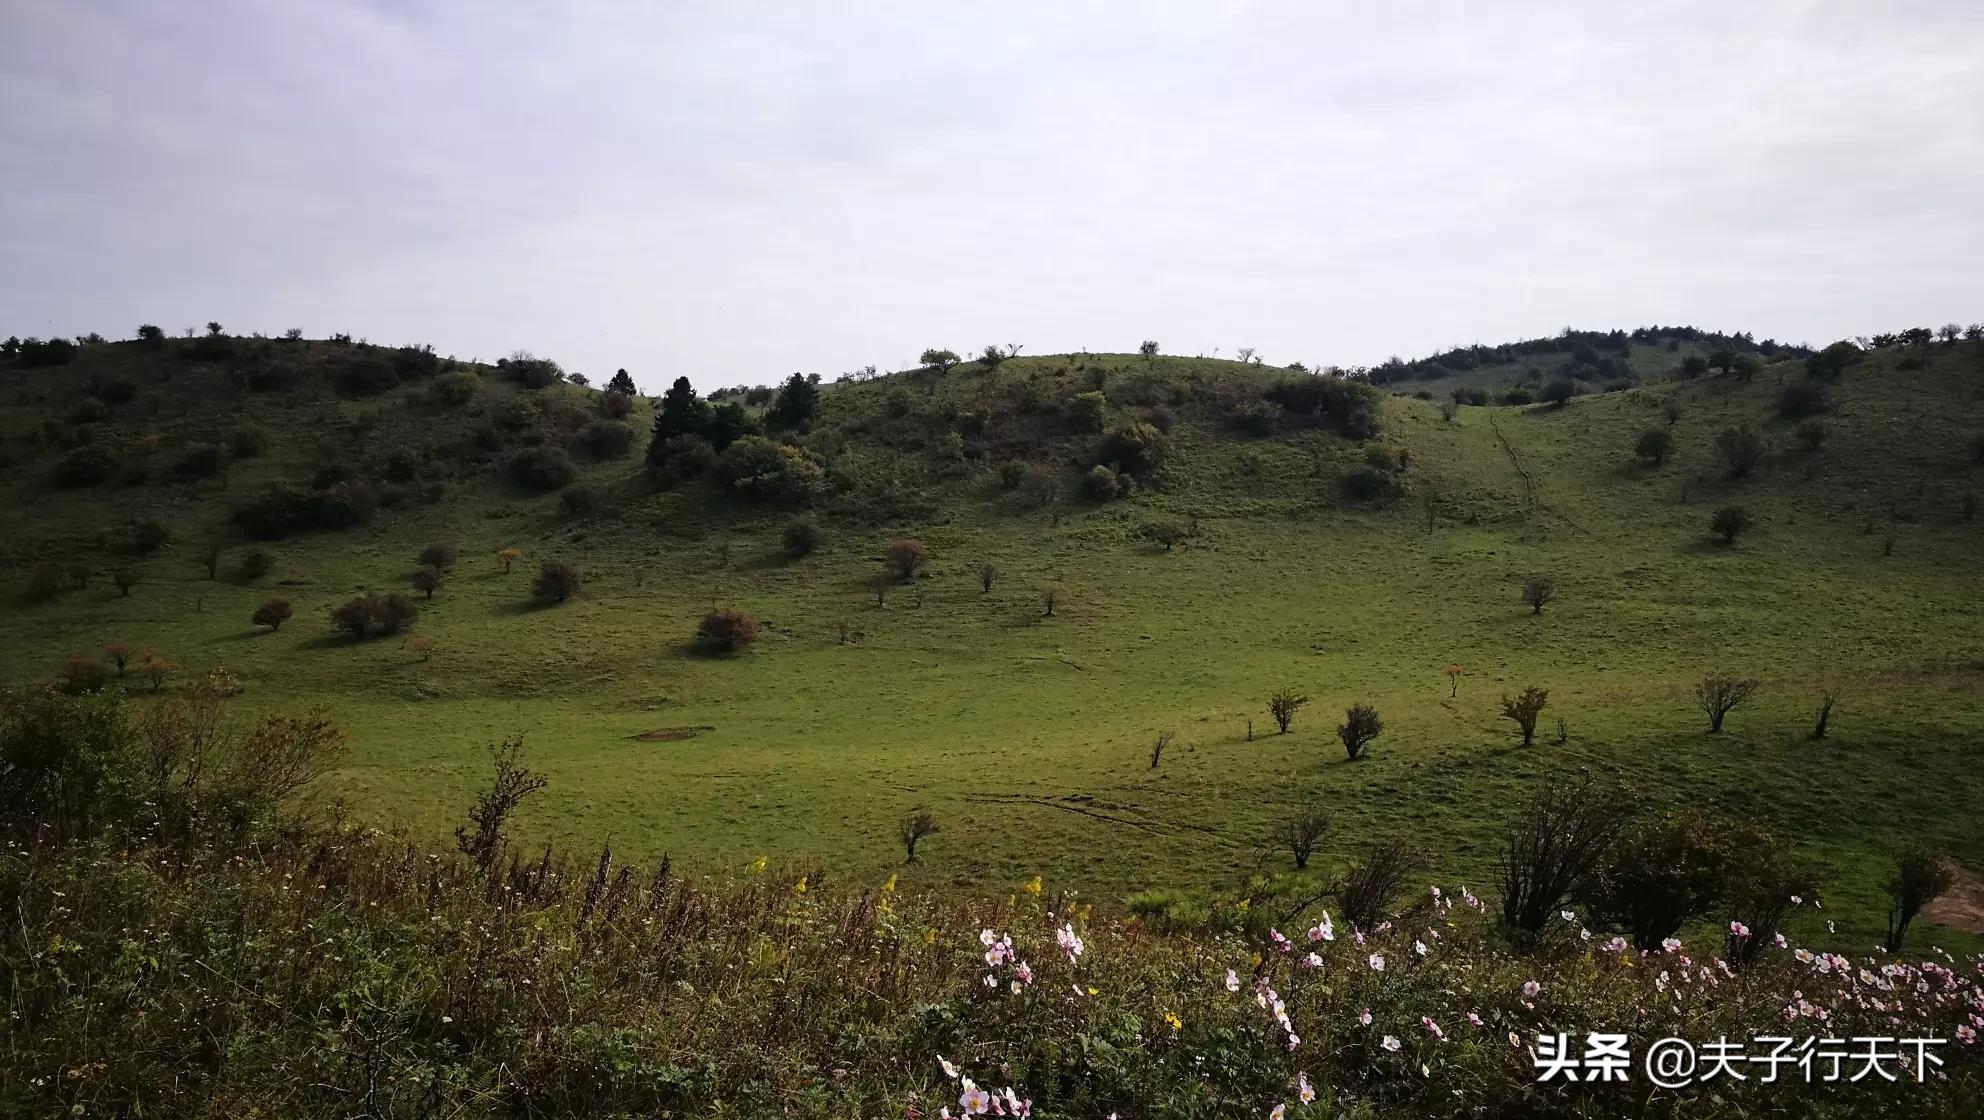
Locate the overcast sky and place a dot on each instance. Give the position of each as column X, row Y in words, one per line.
column 737, row 190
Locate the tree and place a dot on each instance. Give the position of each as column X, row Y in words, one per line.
column 620, row 384
column 509, row 556
column 1723, row 359
column 125, row 579
column 1524, row 708
column 1536, row 591
column 510, row 783
column 154, row 667
column 427, row 579
column 991, row 356
column 1300, row 833
column 939, row 360
column 1148, row 348
column 726, row 631
column 1920, row 877
column 1728, row 522
column 1283, row 704
column 800, row 536
column 1666, row 872
column 1164, row 534
column 1827, row 700
column 152, row 335
column 440, row 556
column 987, row 573
column 1693, row 366
column 272, row 614
column 556, row 581
column 1550, row 846
column 681, row 414
column 1360, row 725
column 1049, row 597
column 79, row 675
column 367, row 616
column 118, row 654
column 1654, row 445
column 906, row 556
column 1718, row 695
column 1559, row 392
column 1742, row 448
column 210, row 559
column 798, row 400
column 1454, row 674
column 1157, row 748
column 918, row 824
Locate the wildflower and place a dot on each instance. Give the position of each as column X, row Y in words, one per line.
column 1365, row 1017
column 1280, row 942
column 1377, row 962
column 1473, row 1020
column 1024, row 972
column 974, row 1100
column 1173, row 1021
column 1965, row 1035
column 1568, row 915
column 1804, row 955
column 1616, row 945
column 1431, row 1027
column 1671, row 944
column 950, row 1070
column 1796, row 901
column 1779, row 938
column 800, row 886
column 1323, row 930
column 1033, row 885
column 1277, row 1112
column 757, row 866
column 1515, row 1040
column 1392, row 1043
column 1419, row 947
column 1738, row 930
column 1232, row 981
column 1303, row 1088
column 1530, row 988
column 890, row 886
column 1069, row 943
column 987, row 937
column 1294, row 1040
column 1312, row 961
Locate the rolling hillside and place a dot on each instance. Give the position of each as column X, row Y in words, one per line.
column 1350, row 564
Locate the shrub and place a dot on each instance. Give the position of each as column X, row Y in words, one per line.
column 906, row 557
column 607, row 439
column 542, row 468
column 154, row 667
column 87, row 465
column 1360, row 725
column 1551, row 846
column 427, row 579
column 440, row 555
column 1349, row 405
column 680, row 458
column 1829, row 363
column 1087, row 410
column 1165, row 534
column 118, row 654
column 1300, row 833
column 45, row 582
column 511, row 782
column 1812, row 433
column 1470, row 394
column 1518, row 396
column 917, row 825
column 1801, row 398
column 1537, row 591
column 283, row 509
column 509, row 556
column 1524, row 709
column 124, row 579
column 62, row 756
column 726, row 631
column 245, row 441
column 457, row 388
column 987, row 574
column 1101, row 484
column 1372, row 885
column 800, row 536
column 1718, row 695
column 616, row 406
column 272, row 614
column 1741, row 448
column 1011, row 473
column 80, row 675
column 577, row 501
column 556, row 581
column 531, row 372
column 366, row 375
column 1367, row 483
column 1138, row 449
column 1559, row 391
column 200, row 460
column 760, row 470
column 374, row 615
column 1040, row 487
column 1728, row 522
column 939, row 360
column 1920, row 877
column 1666, row 872
column 1654, row 445
column 798, row 399
column 1283, row 703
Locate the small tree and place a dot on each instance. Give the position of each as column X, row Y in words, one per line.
column 1148, row 348
column 906, row 556
column 118, row 654
column 1718, row 696
column 556, row 581
column 1550, row 846
column 272, row 614
column 1728, row 522
column 1654, row 445
column 918, row 824
column 1454, row 674
column 210, row 559
column 154, row 667
column 987, row 573
column 1741, row 448
column 939, row 360
column 1300, row 833
column 1371, row 887
column 991, row 356
column 509, row 556
column 427, row 580
column 510, row 783
column 1920, row 877
column 1164, row 534
column 1524, row 709
column 1049, row 597
column 1826, row 701
column 422, row 645
column 1283, row 704
column 1360, row 725
column 441, row 557
column 1666, row 872
column 79, row 675
column 1157, row 748
column 800, row 536
column 1536, row 591
column 726, row 631
column 125, row 579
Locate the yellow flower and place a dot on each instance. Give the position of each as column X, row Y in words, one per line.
column 890, row 886
column 1245, row 903
column 1173, row 1020
column 757, row 866
column 1091, row 991
column 800, row 886
column 1033, row 885
column 929, row 936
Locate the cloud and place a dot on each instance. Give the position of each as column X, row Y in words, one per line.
column 736, row 190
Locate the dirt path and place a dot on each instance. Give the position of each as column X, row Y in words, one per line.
column 1963, row 906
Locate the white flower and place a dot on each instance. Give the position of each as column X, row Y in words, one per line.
column 1568, row 915
column 1377, row 962
column 1365, row 1018
column 950, row 1070
column 1232, row 981
column 1392, row 1043
column 1530, row 988
column 1303, row 1088
column 1277, row 1112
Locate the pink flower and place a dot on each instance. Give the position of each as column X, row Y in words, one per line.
column 1312, row 961
column 1530, row 988
column 1391, row 1043
column 1365, row 1018
column 950, row 1070
column 1069, row 943
column 1377, row 962
column 1966, row 1035
column 1303, row 1088
column 1672, row 944
column 974, row 1100
column 1277, row 1112
column 1232, row 981
column 1738, row 930
column 1419, row 947
column 1323, row 930
column 1779, row 938
column 1431, row 1027
column 1473, row 1020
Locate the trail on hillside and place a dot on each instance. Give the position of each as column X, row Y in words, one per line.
column 1531, row 502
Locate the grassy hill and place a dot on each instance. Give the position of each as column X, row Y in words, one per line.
column 1030, row 736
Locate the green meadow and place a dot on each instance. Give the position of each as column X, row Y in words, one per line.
column 1030, row 736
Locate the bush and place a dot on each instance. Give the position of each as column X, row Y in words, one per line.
column 800, row 536
column 283, row 510
column 616, row 406
column 200, row 460
column 1367, row 483
column 760, row 470
column 272, row 614
column 607, row 439
column 1654, row 445
column 1518, row 396
column 577, row 501
column 1667, row 872
column 1165, row 534
column 45, row 582
column 427, row 579
column 1523, row 709
column 1728, row 522
column 62, row 756
column 531, row 372
column 81, row 675
column 681, row 458
column 726, row 631
column 556, row 582
column 413, row 362
column 1801, row 398
column 1136, row 449
column 440, row 555
column 1741, row 448
column 147, row 535
column 369, row 616
column 366, row 375
column 542, row 468
column 1920, row 877
column 1283, row 703
column 245, row 441
column 1370, row 889
column 87, row 465
column 906, row 556
column 1470, row 394
column 1348, row 404
column 1041, row 486
column 1360, row 725
column 1559, row 391
column 1101, row 484
column 1087, row 410
column 457, row 388
column 1812, row 433
column 1718, row 695
column 1551, row 846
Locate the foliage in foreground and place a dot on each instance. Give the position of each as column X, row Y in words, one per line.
column 337, row 973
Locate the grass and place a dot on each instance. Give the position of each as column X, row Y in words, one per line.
column 1029, row 736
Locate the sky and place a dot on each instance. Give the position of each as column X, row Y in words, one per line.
column 736, row 190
